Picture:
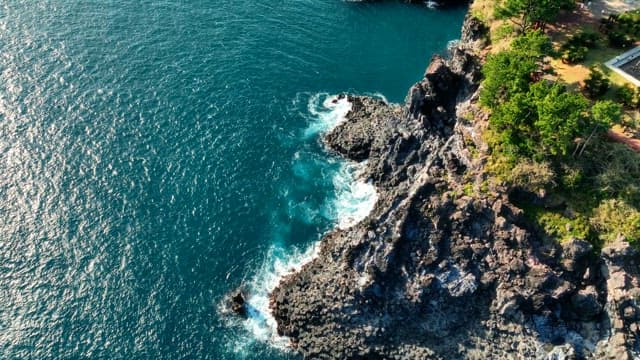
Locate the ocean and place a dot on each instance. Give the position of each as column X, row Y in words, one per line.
column 155, row 155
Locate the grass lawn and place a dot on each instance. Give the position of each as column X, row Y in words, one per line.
column 575, row 74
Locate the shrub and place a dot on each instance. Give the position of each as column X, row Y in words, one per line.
column 574, row 54
column 571, row 177
column 531, row 176
column 615, row 218
column 576, row 48
column 563, row 228
column 587, row 39
column 613, row 170
column 619, row 39
column 626, row 96
column 596, row 84
column 606, row 113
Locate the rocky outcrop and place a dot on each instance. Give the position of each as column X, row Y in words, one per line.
column 442, row 269
column 621, row 273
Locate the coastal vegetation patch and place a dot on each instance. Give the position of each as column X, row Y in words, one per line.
column 548, row 140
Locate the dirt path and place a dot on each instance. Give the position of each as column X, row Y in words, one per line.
column 634, row 144
column 602, row 8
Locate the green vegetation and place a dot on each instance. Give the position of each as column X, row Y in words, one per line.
column 597, row 84
column 628, row 96
column 542, row 121
column 622, row 30
column 527, row 14
column 575, row 50
column 509, row 72
column 560, row 227
column 544, row 137
column 615, row 218
column 503, row 31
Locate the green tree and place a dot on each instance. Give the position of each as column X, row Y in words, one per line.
column 561, row 118
column 513, row 121
column 510, row 72
column 533, row 43
column 541, row 123
column 506, row 73
column 603, row 115
column 626, row 95
column 596, row 84
column 606, row 113
column 527, row 13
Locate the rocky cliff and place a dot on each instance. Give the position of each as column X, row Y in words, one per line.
column 439, row 272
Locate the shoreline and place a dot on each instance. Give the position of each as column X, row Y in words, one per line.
column 436, row 272
column 354, row 200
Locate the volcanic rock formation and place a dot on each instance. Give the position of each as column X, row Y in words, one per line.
column 434, row 272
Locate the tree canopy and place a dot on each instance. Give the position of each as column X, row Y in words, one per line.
column 541, row 122
column 509, row 72
column 533, row 118
column 527, row 13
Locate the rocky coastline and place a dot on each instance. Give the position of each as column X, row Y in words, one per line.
column 434, row 273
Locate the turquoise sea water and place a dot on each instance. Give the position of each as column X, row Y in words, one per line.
column 156, row 154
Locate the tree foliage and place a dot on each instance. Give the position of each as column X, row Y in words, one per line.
column 506, row 73
column 533, row 43
column 606, row 113
column 510, row 72
column 596, row 84
column 527, row 13
column 542, row 122
column 627, row 96
column 542, row 135
column 561, row 118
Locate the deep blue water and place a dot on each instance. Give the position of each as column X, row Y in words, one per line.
column 156, row 153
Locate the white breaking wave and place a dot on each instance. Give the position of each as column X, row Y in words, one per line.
column 355, row 198
column 326, row 113
column 279, row 264
column 353, row 202
column 380, row 96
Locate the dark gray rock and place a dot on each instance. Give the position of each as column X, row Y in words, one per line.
column 585, row 303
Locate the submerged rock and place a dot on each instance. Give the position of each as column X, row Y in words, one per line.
column 236, row 303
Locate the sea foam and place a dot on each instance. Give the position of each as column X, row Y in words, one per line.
column 325, row 112
column 278, row 264
column 353, row 200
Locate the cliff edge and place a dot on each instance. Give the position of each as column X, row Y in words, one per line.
column 436, row 272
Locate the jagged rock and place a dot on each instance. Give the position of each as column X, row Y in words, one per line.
column 585, row 303
column 622, row 275
column 355, row 138
column 475, row 34
column 236, row 303
column 576, row 255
